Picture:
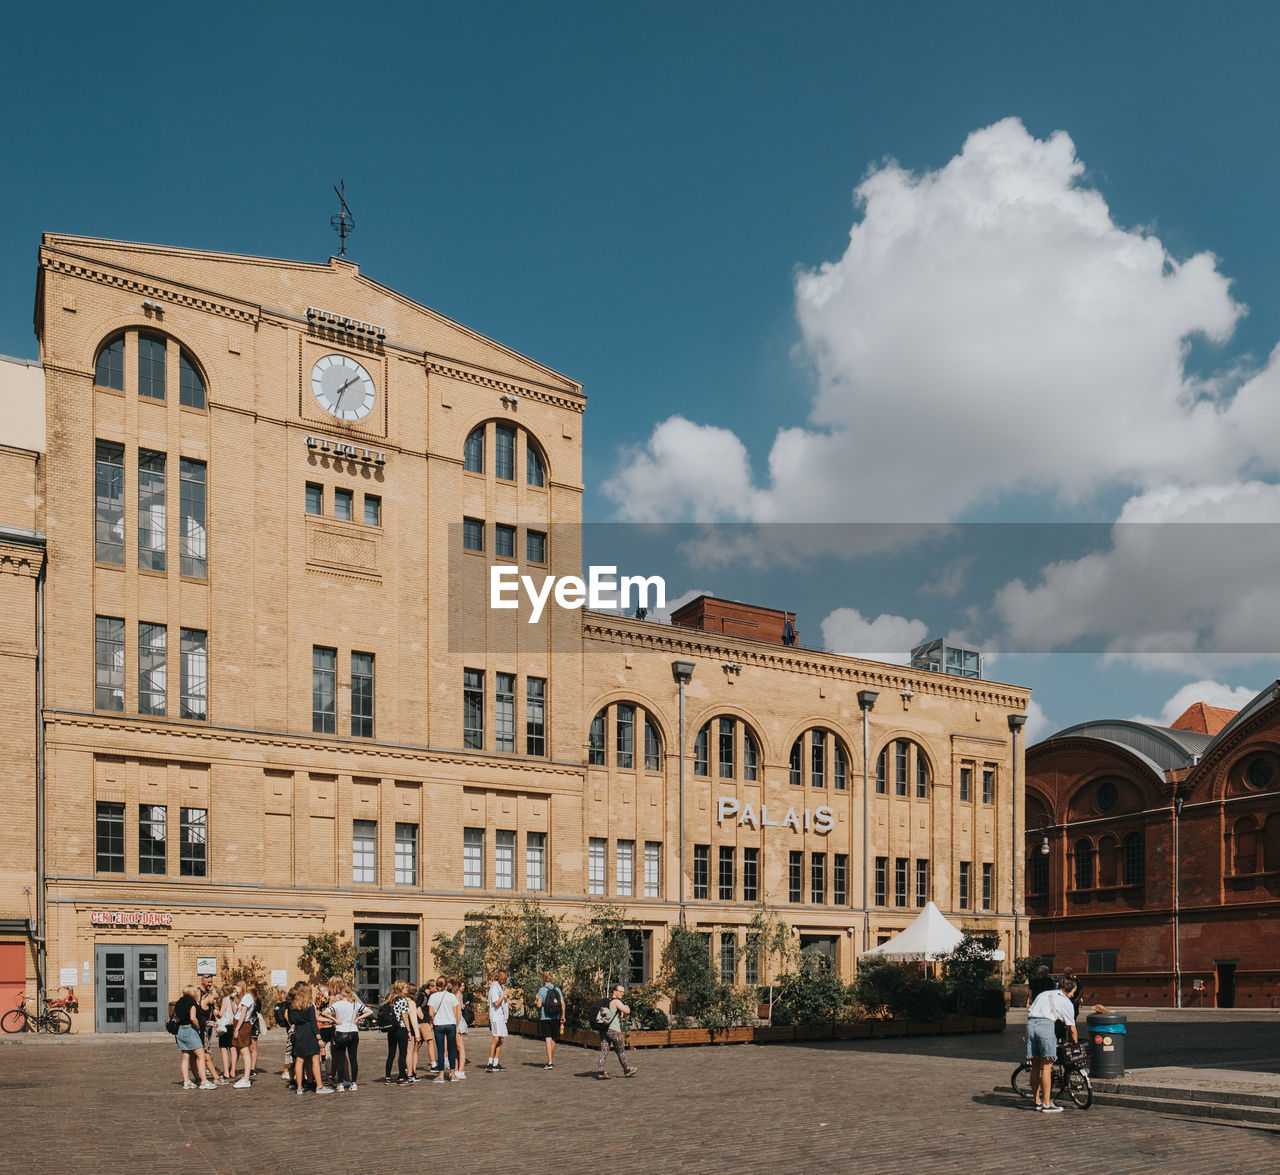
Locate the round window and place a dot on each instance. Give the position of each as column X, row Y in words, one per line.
column 1108, row 796
column 1259, row 772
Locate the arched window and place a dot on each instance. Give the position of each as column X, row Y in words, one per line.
column 504, row 453
column 736, row 746
column 595, row 751
column 190, row 383
column 1134, row 859
column 652, row 746
column 108, row 371
column 702, row 751
column 881, row 782
column 821, row 752
column 1245, row 848
column 1083, row 855
column 840, row 779
column 1037, row 869
column 152, row 360
column 535, row 469
column 1271, row 844
column 795, row 769
column 907, row 761
column 473, row 451
column 750, row 756
column 637, row 742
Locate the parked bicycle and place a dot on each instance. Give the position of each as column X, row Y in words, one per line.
column 20, row 1019
column 1070, row 1075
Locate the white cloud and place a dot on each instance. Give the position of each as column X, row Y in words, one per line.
column 1212, row 693
column 663, row 615
column 885, row 638
column 1039, row 725
column 989, row 330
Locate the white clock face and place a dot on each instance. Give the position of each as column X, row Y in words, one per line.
column 343, row 388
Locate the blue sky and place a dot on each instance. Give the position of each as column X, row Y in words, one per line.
column 635, row 195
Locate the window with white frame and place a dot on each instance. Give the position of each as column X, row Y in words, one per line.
column 406, row 854
column 652, row 869
column 504, row 859
column 505, row 715
column 595, row 865
column 473, row 858
column 364, row 852
column 625, row 863
column 535, row 861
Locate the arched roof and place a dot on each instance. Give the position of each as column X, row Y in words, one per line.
column 1264, row 698
column 1161, row 746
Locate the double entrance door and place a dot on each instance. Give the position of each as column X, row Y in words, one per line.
column 130, row 988
column 389, row 953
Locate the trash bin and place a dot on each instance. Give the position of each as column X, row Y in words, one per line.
column 1106, row 1037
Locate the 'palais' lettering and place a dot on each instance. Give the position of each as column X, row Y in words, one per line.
column 822, row 820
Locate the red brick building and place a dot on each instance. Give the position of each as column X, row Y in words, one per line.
column 1153, row 856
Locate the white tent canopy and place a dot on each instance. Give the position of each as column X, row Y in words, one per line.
column 929, row 937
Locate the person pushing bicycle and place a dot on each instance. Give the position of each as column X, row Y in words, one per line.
column 1047, row 1009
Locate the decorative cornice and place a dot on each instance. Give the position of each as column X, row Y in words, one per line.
column 671, row 639
column 20, row 559
column 524, row 391
column 168, row 294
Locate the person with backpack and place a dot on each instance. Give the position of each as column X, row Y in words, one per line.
column 550, row 1004
column 610, row 1019
column 499, row 1004
column 393, row 1017
column 346, row 1011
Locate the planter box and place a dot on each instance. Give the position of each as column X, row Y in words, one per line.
column 587, row 1038
column 880, row 1028
column 741, row 1035
column 482, row 1018
column 815, row 1031
column 522, row 1026
column 763, row 1010
column 989, row 1024
column 690, row 1035
column 770, row 1033
column 858, row 1030
column 959, row 1024
column 924, row 1027
column 648, row 1038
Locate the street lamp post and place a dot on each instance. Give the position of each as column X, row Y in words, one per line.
column 867, row 700
column 682, row 671
column 1016, row 723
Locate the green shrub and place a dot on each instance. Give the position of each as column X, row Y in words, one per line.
column 880, row 986
column 687, row 976
column 966, row 971
column 252, row 970
column 645, row 1012
column 812, row 994
column 731, row 1007
column 327, row 954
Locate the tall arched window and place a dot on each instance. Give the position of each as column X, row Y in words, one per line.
column 473, row 451
column 1083, row 855
column 637, row 741
column 535, row 467
column 595, row 740
column 702, row 750
column 819, row 757
column 736, row 747
column 108, row 371
column 906, row 761
column 507, row 441
column 153, row 354
column 1245, row 845
column 1134, row 859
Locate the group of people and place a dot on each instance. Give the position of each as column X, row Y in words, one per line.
column 1052, row 1014
column 323, row 1023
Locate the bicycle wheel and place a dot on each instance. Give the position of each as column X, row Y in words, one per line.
column 1078, row 1087
column 1020, row 1082
column 14, row 1020
column 56, row 1020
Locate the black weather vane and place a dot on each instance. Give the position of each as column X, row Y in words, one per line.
column 342, row 222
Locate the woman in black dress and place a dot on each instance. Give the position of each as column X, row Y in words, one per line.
column 306, row 1036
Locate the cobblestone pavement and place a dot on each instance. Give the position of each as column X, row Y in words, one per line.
column 109, row 1104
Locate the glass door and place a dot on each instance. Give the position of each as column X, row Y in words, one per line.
column 131, row 985
column 390, row 953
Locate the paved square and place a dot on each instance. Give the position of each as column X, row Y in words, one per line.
column 99, row 1104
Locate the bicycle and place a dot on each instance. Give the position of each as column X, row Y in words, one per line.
column 1070, row 1075
column 55, row 1020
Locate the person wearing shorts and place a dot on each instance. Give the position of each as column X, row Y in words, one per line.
column 190, row 1040
column 242, row 1032
column 549, row 1026
column 1048, row 1009
column 498, row 1007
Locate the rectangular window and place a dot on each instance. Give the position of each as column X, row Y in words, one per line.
column 900, row 881
column 750, row 968
column 108, row 659
column 504, row 859
column 504, row 541
column 653, row 869
column 595, row 865
column 535, row 861
column 727, row 879
column 152, row 641
column 840, row 879
column 190, row 385
column 818, row 878
column 473, row 534
column 817, row 758
column 728, row 957
column 193, row 848
column 1100, row 962
column 966, row 784
column 315, row 498
column 504, row 724
column 473, row 858
column 882, row 881
column 638, row 944
column 364, row 852
column 324, row 690
column 151, row 510
column 900, row 767
column 372, row 510
column 988, row 785
column 701, row 870
column 504, row 461
column 110, row 837
column 626, row 736
column 151, row 357
column 988, row 881
column 362, row 695
column 342, row 501
column 536, row 546
column 726, row 748
column 535, row 716
column 702, row 751
column 406, row 854
column 625, row 865
column 193, row 674
column 922, row 882
column 193, row 537
column 750, row 875
column 473, row 709
column 965, row 868
column 152, row 832
column 108, row 482
column 795, row 876
column 1037, row 872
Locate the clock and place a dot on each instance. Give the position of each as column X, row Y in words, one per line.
column 342, row 387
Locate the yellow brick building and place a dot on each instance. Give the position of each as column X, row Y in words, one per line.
column 244, row 561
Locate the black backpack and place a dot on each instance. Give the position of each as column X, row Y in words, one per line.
column 601, row 1015
column 386, row 1017
column 280, row 1014
column 553, row 1005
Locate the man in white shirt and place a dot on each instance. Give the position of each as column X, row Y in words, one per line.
column 1042, row 1042
column 498, row 1007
